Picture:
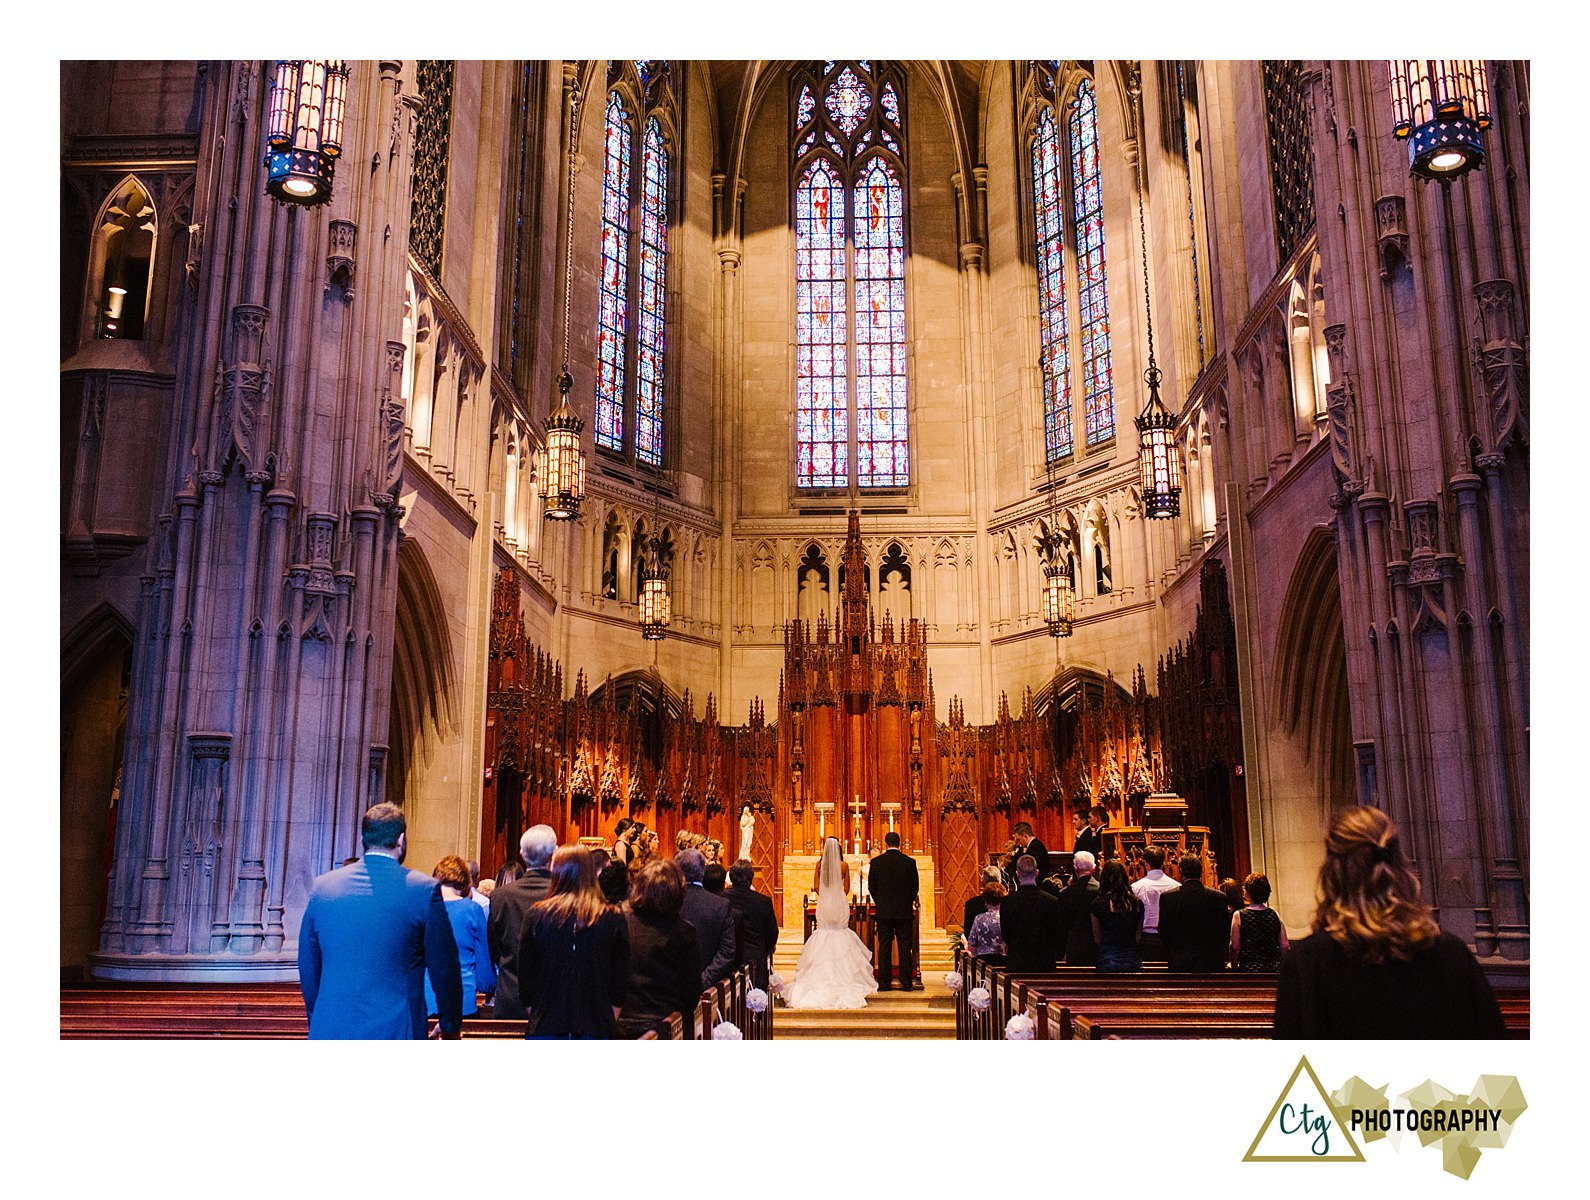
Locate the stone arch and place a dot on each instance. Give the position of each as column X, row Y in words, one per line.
column 425, row 733
column 126, row 232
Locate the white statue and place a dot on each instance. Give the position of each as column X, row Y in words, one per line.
column 747, row 828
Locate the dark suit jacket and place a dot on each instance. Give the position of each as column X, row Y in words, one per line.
column 713, row 920
column 1029, row 921
column 505, row 922
column 1041, row 853
column 1092, row 841
column 892, row 881
column 1076, row 925
column 1195, row 927
column 758, row 925
column 370, row 932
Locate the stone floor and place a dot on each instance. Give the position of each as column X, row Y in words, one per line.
column 929, row 1013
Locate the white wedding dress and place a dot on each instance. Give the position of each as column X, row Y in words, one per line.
column 835, row 968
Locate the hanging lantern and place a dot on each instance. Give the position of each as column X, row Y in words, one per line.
column 308, row 102
column 561, row 466
column 1059, row 600
column 656, row 607
column 1441, row 107
column 1159, row 469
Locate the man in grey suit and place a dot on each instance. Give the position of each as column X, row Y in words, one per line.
column 712, row 916
column 510, row 906
column 370, row 932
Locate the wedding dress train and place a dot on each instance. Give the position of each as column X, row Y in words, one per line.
column 835, row 968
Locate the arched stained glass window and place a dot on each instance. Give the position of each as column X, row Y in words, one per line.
column 632, row 317
column 613, row 302
column 651, row 334
column 1098, row 389
column 1068, row 218
column 1054, row 355
column 851, row 395
column 821, row 319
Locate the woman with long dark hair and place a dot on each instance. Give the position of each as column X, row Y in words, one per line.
column 1377, row 965
column 1117, row 920
column 574, row 955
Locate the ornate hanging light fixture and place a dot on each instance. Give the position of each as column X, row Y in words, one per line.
column 1059, row 598
column 1159, row 468
column 303, row 128
column 656, row 606
column 1441, row 108
column 561, row 465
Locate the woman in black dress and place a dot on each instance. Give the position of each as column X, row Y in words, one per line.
column 1377, row 965
column 1117, row 920
column 574, row 955
column 664, row 958
column 1258, row 939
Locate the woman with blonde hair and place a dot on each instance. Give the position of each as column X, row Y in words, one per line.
column 574, row 955
column 1377, row 965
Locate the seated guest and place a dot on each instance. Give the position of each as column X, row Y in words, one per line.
column 1193, row 922
column 468, row 920
column 977, row 903
column 1076, row 916
column 1377, row 965
column 758, row 926
column 664, row 960
column 614, row 882
column 1117, row 920
column 712, row 916
column 1258, row 939
column 1029, row 921
column 1149, row 889
column 574, row 957
column 983, row 938
column 715, row 877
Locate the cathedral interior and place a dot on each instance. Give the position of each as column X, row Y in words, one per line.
column 860, row 445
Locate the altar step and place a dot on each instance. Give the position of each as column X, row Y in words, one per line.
column 929, row 1013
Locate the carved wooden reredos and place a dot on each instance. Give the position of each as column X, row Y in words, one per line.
column 855, row 719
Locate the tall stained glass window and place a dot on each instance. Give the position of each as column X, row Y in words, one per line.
column 631, row 332
column 613, row 301
column 851, row 410
column 1068, row 213
column 1192, row 208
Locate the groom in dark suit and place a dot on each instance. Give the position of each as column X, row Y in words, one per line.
column 892, row 880
column 370, row 932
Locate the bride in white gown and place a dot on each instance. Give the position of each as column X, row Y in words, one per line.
column 835, row 969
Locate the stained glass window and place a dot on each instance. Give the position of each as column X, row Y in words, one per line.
column 821, row 409
column 851, row 386
column 1192, row 212
column 882, row 458
column 1054, row 354
column 1291, row 154
column 613, row 300
column 651, row 328
column 1098, row 392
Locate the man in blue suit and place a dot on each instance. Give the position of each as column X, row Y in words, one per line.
column 370, row 932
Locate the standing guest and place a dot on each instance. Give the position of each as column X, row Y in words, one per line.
column 712, row 851
column 1091, row 839
column 511, row 870
column 893, row 883
column 487, row 886
column 977, row 904
column 712, row 916
column 1076, row 913
column 757, row 923
column 510, row 906
column 664, row 959
column 1232, row 891
column 984, row 938
column 468, row 920
column 1377, row 965
column 574, row 956
column 1029, row 921
column 645, row 847
column 1117, row 921
column 1150, row 889
column 1079, row 822
column 1258, row 939
column 370, row 932
column 614, row 882
column 479, row 897
column 1023, row 836
column 1193, row 922
column 715, row 878
column 623, row 839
